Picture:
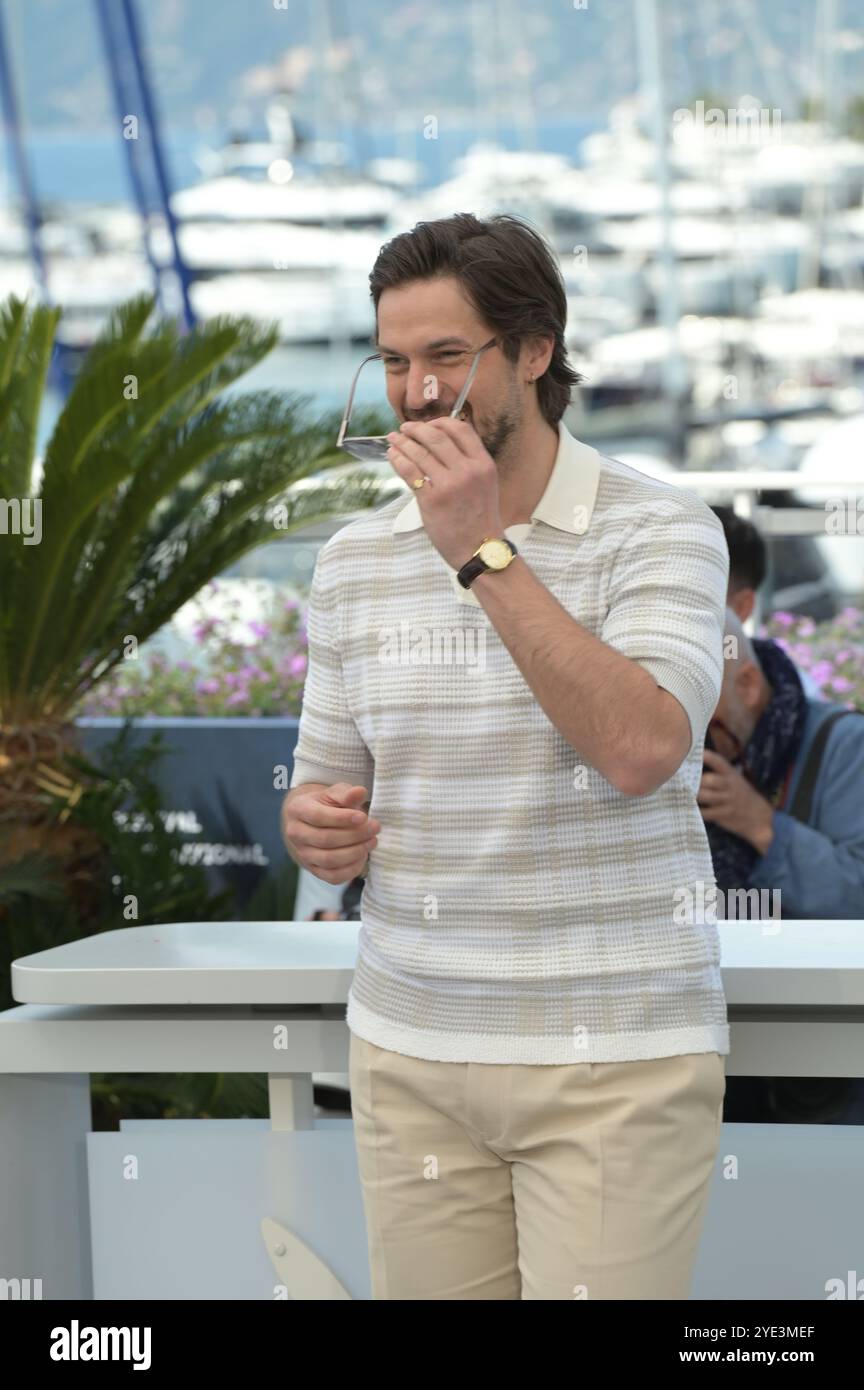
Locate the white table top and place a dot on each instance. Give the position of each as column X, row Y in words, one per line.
column 773, row 963
column 195, row 963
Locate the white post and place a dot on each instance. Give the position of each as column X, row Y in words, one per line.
column 653, row 97
column 292, row 1103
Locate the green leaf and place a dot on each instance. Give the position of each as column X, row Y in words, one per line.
column 157, row 477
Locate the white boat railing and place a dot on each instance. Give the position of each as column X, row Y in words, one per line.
column 804, row 518
column 807, row 518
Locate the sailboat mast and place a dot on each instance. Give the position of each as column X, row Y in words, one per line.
column 653, row 100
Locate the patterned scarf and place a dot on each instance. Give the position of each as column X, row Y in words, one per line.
column 767, row 757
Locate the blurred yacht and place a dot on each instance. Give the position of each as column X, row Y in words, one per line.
column 288, row 178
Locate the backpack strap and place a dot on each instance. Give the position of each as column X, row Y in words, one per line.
column 802, row 804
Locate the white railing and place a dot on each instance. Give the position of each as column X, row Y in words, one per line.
column 806, row 519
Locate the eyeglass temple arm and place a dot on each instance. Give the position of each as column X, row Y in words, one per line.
column 460, row 399
column 344, row 426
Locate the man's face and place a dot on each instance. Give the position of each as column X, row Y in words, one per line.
column 737, row 711
column 423, row 381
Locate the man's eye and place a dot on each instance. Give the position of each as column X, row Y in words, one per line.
column 448, row 355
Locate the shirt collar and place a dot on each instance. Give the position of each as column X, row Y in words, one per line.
column 568, row 501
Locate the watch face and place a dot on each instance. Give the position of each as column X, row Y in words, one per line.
column 496, row 554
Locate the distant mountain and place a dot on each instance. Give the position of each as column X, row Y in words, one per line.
column 215, row 61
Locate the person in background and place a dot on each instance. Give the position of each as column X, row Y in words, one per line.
column 747, row 569
column 351, row 899
column 781, row 797
column 350, row 909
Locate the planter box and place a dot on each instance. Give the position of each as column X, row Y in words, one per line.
column 217, row 782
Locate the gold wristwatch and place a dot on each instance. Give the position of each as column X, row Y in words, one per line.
column 491, row 554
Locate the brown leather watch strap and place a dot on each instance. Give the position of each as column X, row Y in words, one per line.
column 476, row 566
column 470, row 571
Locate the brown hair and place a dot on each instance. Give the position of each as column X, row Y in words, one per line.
column 507, row 272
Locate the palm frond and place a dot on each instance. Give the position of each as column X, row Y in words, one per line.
column 13, row 318
column 156, row 478
column 43, row 588
column 178, row 468
column 26, row 340
column 125, row 324
column 101, row 401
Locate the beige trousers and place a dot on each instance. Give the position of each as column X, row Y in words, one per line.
column 486, row 1181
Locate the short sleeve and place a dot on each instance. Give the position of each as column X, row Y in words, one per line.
column 329, row 746
column 667, row 603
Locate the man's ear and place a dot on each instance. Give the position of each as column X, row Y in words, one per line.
column 542, row 352
column 749, row 683
column 743, row 602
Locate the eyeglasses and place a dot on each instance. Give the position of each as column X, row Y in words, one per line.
column 376, row 446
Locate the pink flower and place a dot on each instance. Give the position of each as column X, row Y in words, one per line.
column 208, row 686
column 297, row 665
column 261, row 630
column 784, row 619
column 841, row 685
column 822, row 672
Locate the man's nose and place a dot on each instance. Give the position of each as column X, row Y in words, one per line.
column 422, row 395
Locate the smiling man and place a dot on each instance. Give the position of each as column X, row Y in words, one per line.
column 537, row 1041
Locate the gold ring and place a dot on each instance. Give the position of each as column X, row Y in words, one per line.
column 418, row 482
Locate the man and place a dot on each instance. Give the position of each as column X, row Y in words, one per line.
column 536, row 1044
column 762, row 732
column 777, row 850
column 746, row 573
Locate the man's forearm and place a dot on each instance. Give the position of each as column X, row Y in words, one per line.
column 601, row 702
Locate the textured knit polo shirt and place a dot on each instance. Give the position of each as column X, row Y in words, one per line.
column 517, row 907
